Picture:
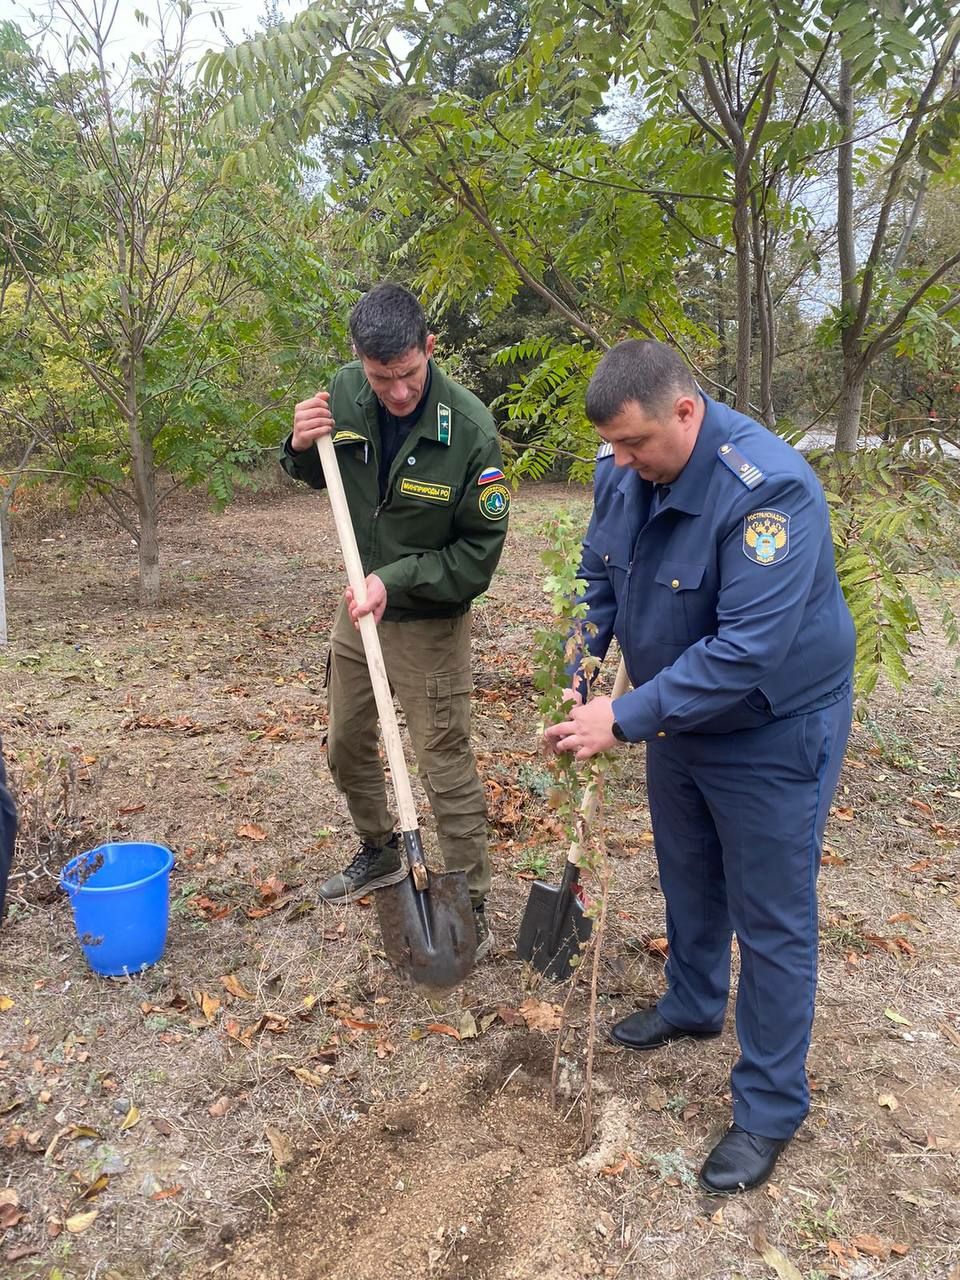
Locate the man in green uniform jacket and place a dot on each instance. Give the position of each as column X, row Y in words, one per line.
column 421, row 469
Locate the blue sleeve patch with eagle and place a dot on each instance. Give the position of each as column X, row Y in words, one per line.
column 766, row 536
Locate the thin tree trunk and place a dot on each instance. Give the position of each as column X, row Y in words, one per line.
column 851, row 405
column 852, row 318
column 145, row 483
column 3, row 587
column 723, row 354
column 766, row 321
column 145, row 488
column 741, row 235
column 768, row 348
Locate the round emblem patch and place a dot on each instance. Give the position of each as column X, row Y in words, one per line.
column 766, row 536
column 495, row 501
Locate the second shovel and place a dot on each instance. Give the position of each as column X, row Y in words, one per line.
column 555, row 928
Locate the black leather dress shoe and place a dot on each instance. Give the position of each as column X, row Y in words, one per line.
column 740, row 1161
column 645, row 1029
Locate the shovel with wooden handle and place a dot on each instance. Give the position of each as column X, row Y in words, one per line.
column 555, row 928
column 426, row 920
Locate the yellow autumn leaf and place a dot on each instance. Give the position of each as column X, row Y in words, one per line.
column 207, row 1004
column 130, row 1119
column 236, row 988
column 6, row 1003
column 80, row 1221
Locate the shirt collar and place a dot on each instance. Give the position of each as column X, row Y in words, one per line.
column 688, row 491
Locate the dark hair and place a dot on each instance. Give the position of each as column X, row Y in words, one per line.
column 649, row 372
column 386, row 322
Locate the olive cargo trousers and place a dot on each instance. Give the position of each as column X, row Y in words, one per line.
column 428, row 665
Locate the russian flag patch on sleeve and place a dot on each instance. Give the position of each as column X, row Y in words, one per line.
column 489, row 475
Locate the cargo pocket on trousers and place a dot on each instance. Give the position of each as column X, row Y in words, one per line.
column 448, row 700
column 457, row 799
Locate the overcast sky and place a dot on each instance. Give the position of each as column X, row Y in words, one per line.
column 240, row 17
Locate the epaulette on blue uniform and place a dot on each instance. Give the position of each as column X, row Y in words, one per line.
column 746, row 472
column 605, row 451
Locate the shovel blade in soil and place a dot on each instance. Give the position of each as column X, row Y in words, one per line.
column 553, row 932
column 429, row 935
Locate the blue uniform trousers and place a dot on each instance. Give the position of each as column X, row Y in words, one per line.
column 738, row 820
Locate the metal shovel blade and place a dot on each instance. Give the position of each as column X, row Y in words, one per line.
column 429, row 935
column 552, row 941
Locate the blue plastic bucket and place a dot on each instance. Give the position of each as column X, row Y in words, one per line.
column 120, row 894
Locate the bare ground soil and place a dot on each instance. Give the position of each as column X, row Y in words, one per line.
column 270, row 1103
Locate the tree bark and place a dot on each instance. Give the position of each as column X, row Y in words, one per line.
column 741, row 236
column 851, row 404
column 852, row 318
column 723, row 354
column 145, row 487
column 145, row 484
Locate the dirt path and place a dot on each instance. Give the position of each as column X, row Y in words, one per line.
column 269, row 1101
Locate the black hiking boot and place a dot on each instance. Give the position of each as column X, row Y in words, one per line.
column 484, row 936
column 373, row 867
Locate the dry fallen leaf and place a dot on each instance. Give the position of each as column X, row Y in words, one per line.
column 540, row 1015
column 898, row 1018
column 236, row 988
column 655, row 1098
column 773, row 1257
column 129, row 1120
column 250, row 831
column 10, row 1211
column 221, row 1106
column 81, row 1221
column 18, row 1251
column 167, row 1192
column 6, row 1003
column 281, row 1146
column 872, row 1246
column 508, row 1015
column 310, row 1077
column 358, row 1024
column 888, row 1100
column 207, row 1004
column 95, row 1187
column 442, row 1029
column 467, row 1026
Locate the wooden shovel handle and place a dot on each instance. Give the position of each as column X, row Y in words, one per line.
column 588, row 802
column 371, row 647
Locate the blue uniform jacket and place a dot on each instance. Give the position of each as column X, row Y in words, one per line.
column 725, row 602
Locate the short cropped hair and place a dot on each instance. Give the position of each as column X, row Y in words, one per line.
column 387, row 321
column 649, row 372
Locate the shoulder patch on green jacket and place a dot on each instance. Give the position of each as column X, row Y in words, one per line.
column 495, row 501
column 347, row 437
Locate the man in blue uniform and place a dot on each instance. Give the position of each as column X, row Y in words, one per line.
column 709, row 557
